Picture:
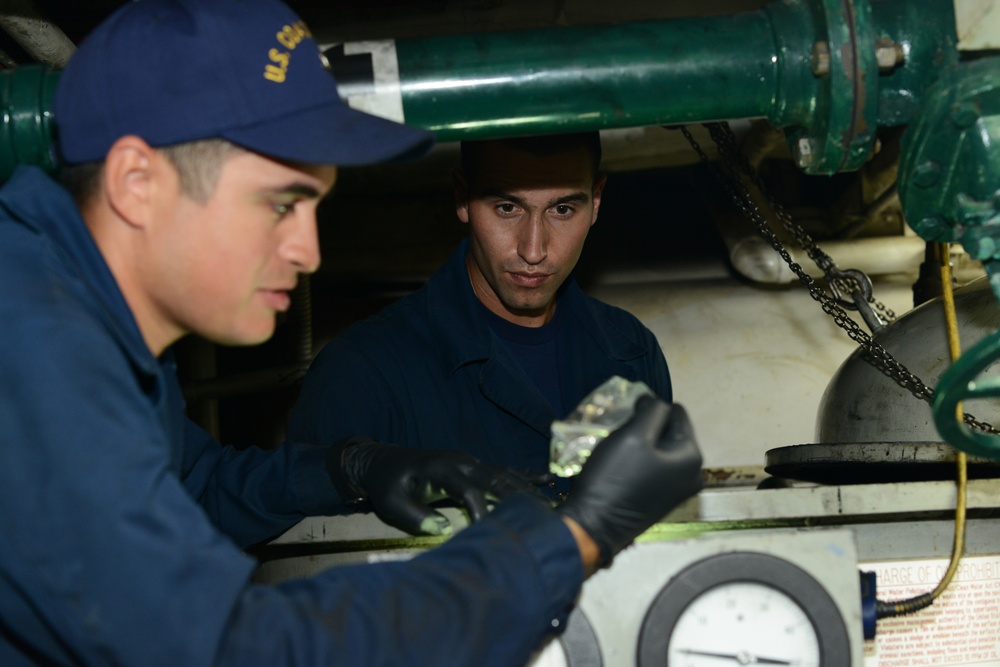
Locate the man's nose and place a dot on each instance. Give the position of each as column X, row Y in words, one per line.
column 533, row 242
column 301, row 248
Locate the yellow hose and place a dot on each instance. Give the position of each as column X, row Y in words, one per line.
column 955, row 349
column 908, row 606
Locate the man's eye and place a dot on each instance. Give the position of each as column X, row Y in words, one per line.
column 506, row 208
column 282, row 209
column 563, row 209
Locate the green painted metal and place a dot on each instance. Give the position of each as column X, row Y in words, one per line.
column 592, row 77
column 949, row 167
column 959, row 384
column 949, row 188
column 808, row 66
column 667, row 532
column 26, row 99
column 926, row 31
column 840, row 136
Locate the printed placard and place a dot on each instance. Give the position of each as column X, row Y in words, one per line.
column 962, row 627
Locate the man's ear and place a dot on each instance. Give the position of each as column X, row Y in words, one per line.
column 461, row 190
column 599, row 183
column 128, row 179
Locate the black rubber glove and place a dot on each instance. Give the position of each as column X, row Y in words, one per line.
column 636, row 476
column 400, row 483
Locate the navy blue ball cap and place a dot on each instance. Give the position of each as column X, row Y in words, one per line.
column 249, row 71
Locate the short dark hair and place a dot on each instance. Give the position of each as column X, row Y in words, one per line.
column 541, row 145
column 198, row 165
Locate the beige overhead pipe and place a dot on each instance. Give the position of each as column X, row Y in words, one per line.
column 42, row 40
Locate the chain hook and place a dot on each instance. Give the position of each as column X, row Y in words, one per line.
column 859, row 286
column 868, row 314
column 840, row 280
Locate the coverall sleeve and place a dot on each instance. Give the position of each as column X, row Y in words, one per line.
column 238, row 491
column 658, row 373
column 346, row 394
column 109, row 560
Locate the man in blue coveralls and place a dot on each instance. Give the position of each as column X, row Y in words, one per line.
column 501, row 341
column 199, row 136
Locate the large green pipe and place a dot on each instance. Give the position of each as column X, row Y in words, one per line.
column 479, row 86
column 808, row 66
column 26, row 133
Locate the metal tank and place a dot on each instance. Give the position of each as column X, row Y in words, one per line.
column 870, row 429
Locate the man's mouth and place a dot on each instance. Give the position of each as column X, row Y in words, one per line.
column 278, row 300
column 529, row 279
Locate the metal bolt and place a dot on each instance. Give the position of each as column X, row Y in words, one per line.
column 964, row 114
column 888, row 54
column 804, row 152
column 820, row 59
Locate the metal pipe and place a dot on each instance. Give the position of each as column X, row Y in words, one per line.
column 42, row 40
column 244, row 383
column 756, row 260
column 26, row 94
column 808, row 66
column 590, row 77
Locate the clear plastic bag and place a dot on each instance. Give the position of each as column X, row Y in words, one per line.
column 601, row 412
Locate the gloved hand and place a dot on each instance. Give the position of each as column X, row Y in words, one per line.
column 400, row 483
column 636, row 476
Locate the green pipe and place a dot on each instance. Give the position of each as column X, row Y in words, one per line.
column 566, row 79
column 961, row 383
column 807, row 66
column 25, row 135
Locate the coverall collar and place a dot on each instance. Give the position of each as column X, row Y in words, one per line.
column 465, row 336
column 39, row 203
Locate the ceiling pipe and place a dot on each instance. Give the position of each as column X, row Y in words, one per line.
column 755, row 259
column 42, row 40
column 814, row 68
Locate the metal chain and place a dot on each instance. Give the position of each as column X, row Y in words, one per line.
column 889, row 315
column 734, row 162
column 840, row 282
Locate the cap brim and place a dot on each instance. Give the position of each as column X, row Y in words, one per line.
column 334, row 134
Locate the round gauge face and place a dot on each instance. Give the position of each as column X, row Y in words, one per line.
column 743, row 608
column 577, row 646
column 763, row 626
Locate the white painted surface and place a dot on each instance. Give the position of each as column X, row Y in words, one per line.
column 749, row 364
column 978, row 24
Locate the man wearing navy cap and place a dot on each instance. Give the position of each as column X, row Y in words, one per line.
column 199, row 137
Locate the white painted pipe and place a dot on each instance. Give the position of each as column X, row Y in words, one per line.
column 755, row 259
column 42, row 40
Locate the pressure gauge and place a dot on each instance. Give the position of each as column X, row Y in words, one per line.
column 742, row 608
column 576, row 647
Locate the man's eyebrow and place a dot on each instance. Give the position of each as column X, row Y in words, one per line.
column 303, row 190
column 574, row 198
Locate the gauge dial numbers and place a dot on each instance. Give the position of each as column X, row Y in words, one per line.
column 743, row 608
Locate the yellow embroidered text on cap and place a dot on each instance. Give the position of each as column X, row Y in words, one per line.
column 289, row 36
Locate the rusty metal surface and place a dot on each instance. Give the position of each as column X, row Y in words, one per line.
column 873, row 462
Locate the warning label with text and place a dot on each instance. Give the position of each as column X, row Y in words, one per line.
column 962, row 627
